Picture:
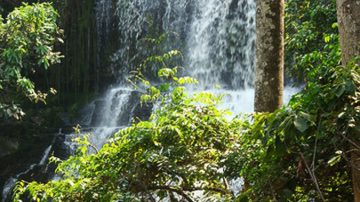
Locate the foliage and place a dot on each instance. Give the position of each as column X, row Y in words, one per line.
column 298, row 153
column 27, row 39
column 178, row 153
column 302, row 151
column 312, row 38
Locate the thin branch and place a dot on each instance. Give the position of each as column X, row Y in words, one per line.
column 351, row 142
column 187, row 189
column 315, row 147
column 343, row 155
column 314, row 154
column 94, row 147
column 312, row 175
column 206, row 189
column 180, row 192
column 227, row 186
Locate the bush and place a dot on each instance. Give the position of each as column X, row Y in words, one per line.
column 27, row 40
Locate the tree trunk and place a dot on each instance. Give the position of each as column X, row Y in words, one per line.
column 355, row 172
column 269, row 84
column 348, row 13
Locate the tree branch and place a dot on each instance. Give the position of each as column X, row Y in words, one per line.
column 189, row 189
column 313, row 177
column 351, row 142
column 180, row 192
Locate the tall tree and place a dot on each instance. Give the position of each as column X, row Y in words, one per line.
column 270, row 55
column 348, row 12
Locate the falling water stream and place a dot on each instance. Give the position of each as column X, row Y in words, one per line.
column 10, row 183
column 216, row 37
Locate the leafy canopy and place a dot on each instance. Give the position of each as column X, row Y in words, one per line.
column 312, row 37
column 298, row 153
column 180, row 151
column 27, row 39
column 301, row 152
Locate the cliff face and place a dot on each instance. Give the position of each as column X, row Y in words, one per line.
column 88, row 45
column 77, row 77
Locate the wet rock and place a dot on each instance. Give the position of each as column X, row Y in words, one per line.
column 8, row 146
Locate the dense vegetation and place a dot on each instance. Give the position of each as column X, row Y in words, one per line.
column 187, row 147
column 312, row 38
column 189, row 150
column 27, row 39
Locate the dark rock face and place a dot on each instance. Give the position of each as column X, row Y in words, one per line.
column 22, row 159
column 8, row 146
column 24, row 151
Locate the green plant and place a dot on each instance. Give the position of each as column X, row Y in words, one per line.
column 298, row 153
column 180, row 151
column 301, row 151
column 312, row 38
column 27, row 39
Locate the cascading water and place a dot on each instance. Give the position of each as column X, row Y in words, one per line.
column 216, row 37
column 107, row 114
column 10, row 183
column 115, row 112
column 221, row 43
column 221, row 51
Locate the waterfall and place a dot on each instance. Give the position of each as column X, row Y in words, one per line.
column 106, row 115
column 114, row 113
column 216, row 37
column 221, row 51
column 221, row 43
column 103, row 18
column 11, row 182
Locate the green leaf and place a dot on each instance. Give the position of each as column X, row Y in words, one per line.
column 340, row 91
column 334, row 160
column 327, row 39
column 335, row 25
column 301, row 124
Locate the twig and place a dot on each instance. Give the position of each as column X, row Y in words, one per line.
column 94, row 147
column 180, row 192
column 312, row 175
column 351, row 142
column 227, row 187
column 189, row 189
column 315, row 147
column 343, row 155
